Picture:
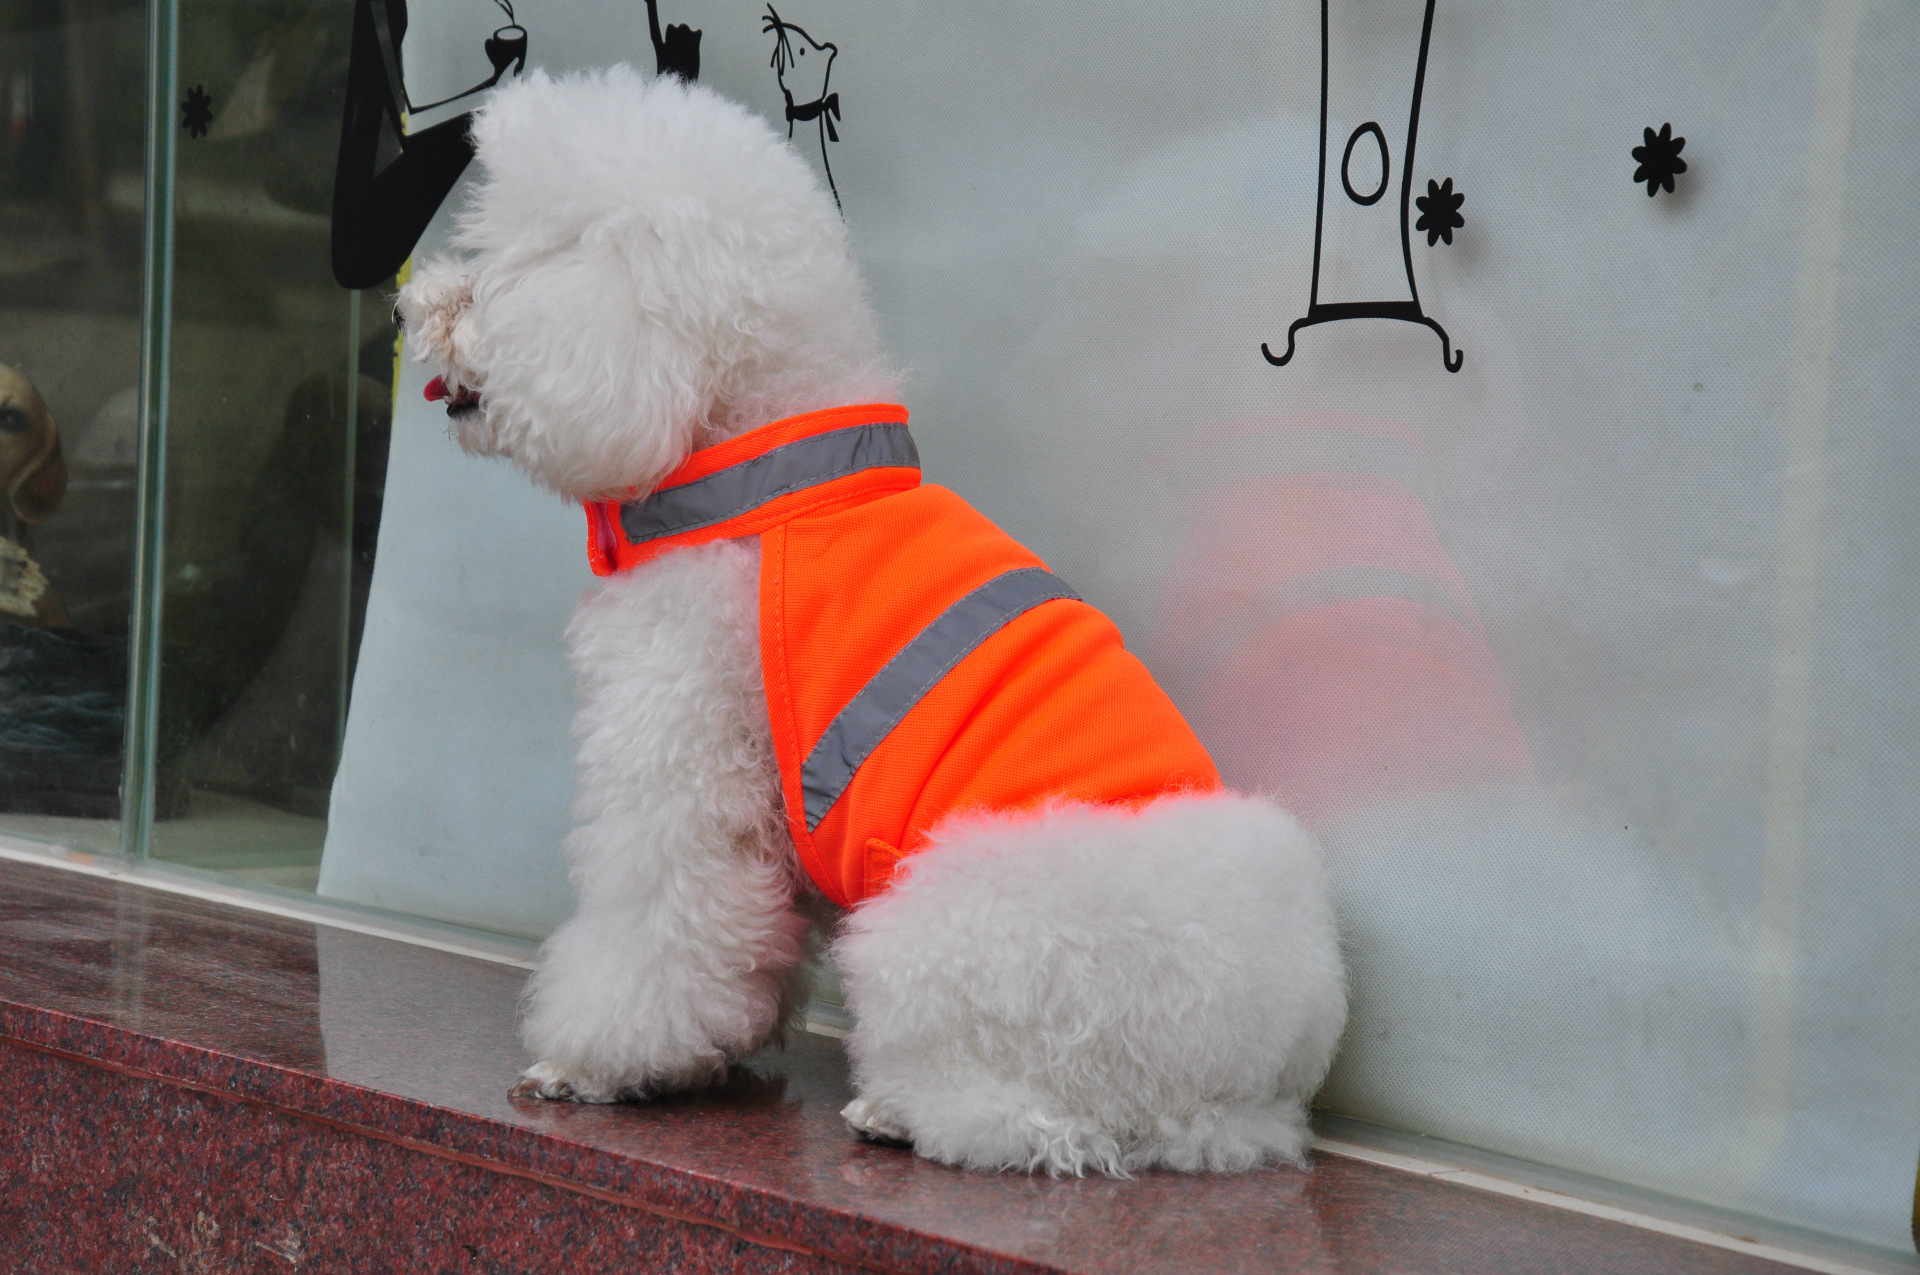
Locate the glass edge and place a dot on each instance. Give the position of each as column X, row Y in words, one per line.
column 138, row 777
column 349, row 493
column 220, row 890
column 1459, row 1157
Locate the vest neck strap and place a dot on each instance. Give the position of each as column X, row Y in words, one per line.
column 803, row 464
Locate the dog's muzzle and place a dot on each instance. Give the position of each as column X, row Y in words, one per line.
column 459, row 403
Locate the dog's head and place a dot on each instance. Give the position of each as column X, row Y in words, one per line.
column 645, row 268
column 33, row 471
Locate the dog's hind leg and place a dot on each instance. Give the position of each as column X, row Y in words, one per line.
column 1089, row 988
column 684, row 950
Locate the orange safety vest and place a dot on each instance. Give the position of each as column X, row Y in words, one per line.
column 918, row 661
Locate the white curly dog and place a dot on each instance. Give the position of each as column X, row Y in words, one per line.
column 647, row 269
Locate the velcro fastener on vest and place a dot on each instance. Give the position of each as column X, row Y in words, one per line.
column 742, row 488
column 870, row 716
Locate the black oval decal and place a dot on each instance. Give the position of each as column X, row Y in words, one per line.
column 1346, row 162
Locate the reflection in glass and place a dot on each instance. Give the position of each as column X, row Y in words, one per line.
column 71, row 79
column 279, row 403
column 1315, row 592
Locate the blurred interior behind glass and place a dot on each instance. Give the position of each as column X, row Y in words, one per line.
column 280, row 392
column 72, row 88
column 280, row 401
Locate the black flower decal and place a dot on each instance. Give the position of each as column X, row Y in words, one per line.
column 1439, row 211
column 1660, row 160
column 197, row 111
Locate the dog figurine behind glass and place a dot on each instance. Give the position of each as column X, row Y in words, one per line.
column 1107, row 962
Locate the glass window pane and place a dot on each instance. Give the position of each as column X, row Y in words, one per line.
column 280, row 397
column 72, row 120
column 1591, row 658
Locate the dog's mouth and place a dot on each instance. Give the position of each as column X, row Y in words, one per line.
column 461, row 402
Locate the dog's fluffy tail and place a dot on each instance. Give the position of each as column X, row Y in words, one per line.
column 1098, row 988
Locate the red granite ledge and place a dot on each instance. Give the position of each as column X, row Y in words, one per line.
column 406, row 1050
column 678, row 1194
column 113, row 1172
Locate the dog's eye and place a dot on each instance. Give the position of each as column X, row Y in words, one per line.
column 14, row 421
column 399, row 320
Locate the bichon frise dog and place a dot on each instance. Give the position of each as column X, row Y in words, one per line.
column 1067, row 947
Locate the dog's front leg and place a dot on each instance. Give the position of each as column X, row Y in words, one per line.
column 683, row 952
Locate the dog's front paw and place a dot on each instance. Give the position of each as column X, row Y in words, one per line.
column 545, row 1080
column 874, row 1122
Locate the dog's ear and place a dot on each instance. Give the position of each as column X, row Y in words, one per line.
column 42, row 482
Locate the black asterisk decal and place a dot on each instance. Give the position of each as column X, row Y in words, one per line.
column 197, row 111
column 1439, row 211
column 1659, row 160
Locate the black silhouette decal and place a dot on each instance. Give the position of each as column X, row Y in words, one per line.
column 1440, row 212
column 825, row 107
column 388, row 182
column 677, row 54
column 1441, row 207
column 196, row 113
column 1660, row 160
column 1368, row 129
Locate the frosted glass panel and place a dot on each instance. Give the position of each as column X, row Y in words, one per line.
column 1592, row 661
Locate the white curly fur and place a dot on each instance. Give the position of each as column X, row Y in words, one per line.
column 684, row 949
column 645, row 269
column 648, row 269
column 1086, row 987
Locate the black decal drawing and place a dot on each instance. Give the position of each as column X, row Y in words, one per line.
column 388, row 182
column 508, row 45
column 1440, row 212
column 196, row 113
column 1408, row 310
column 825, row 106
column 1346, row 165
column 678, row 53
column 1660, row 160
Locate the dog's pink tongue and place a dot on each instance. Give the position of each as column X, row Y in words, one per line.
column 436, row 389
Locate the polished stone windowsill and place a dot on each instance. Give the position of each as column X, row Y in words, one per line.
column 196, row 1083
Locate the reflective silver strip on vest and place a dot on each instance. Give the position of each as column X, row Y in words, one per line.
column 742, row 488
column 890, row 694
